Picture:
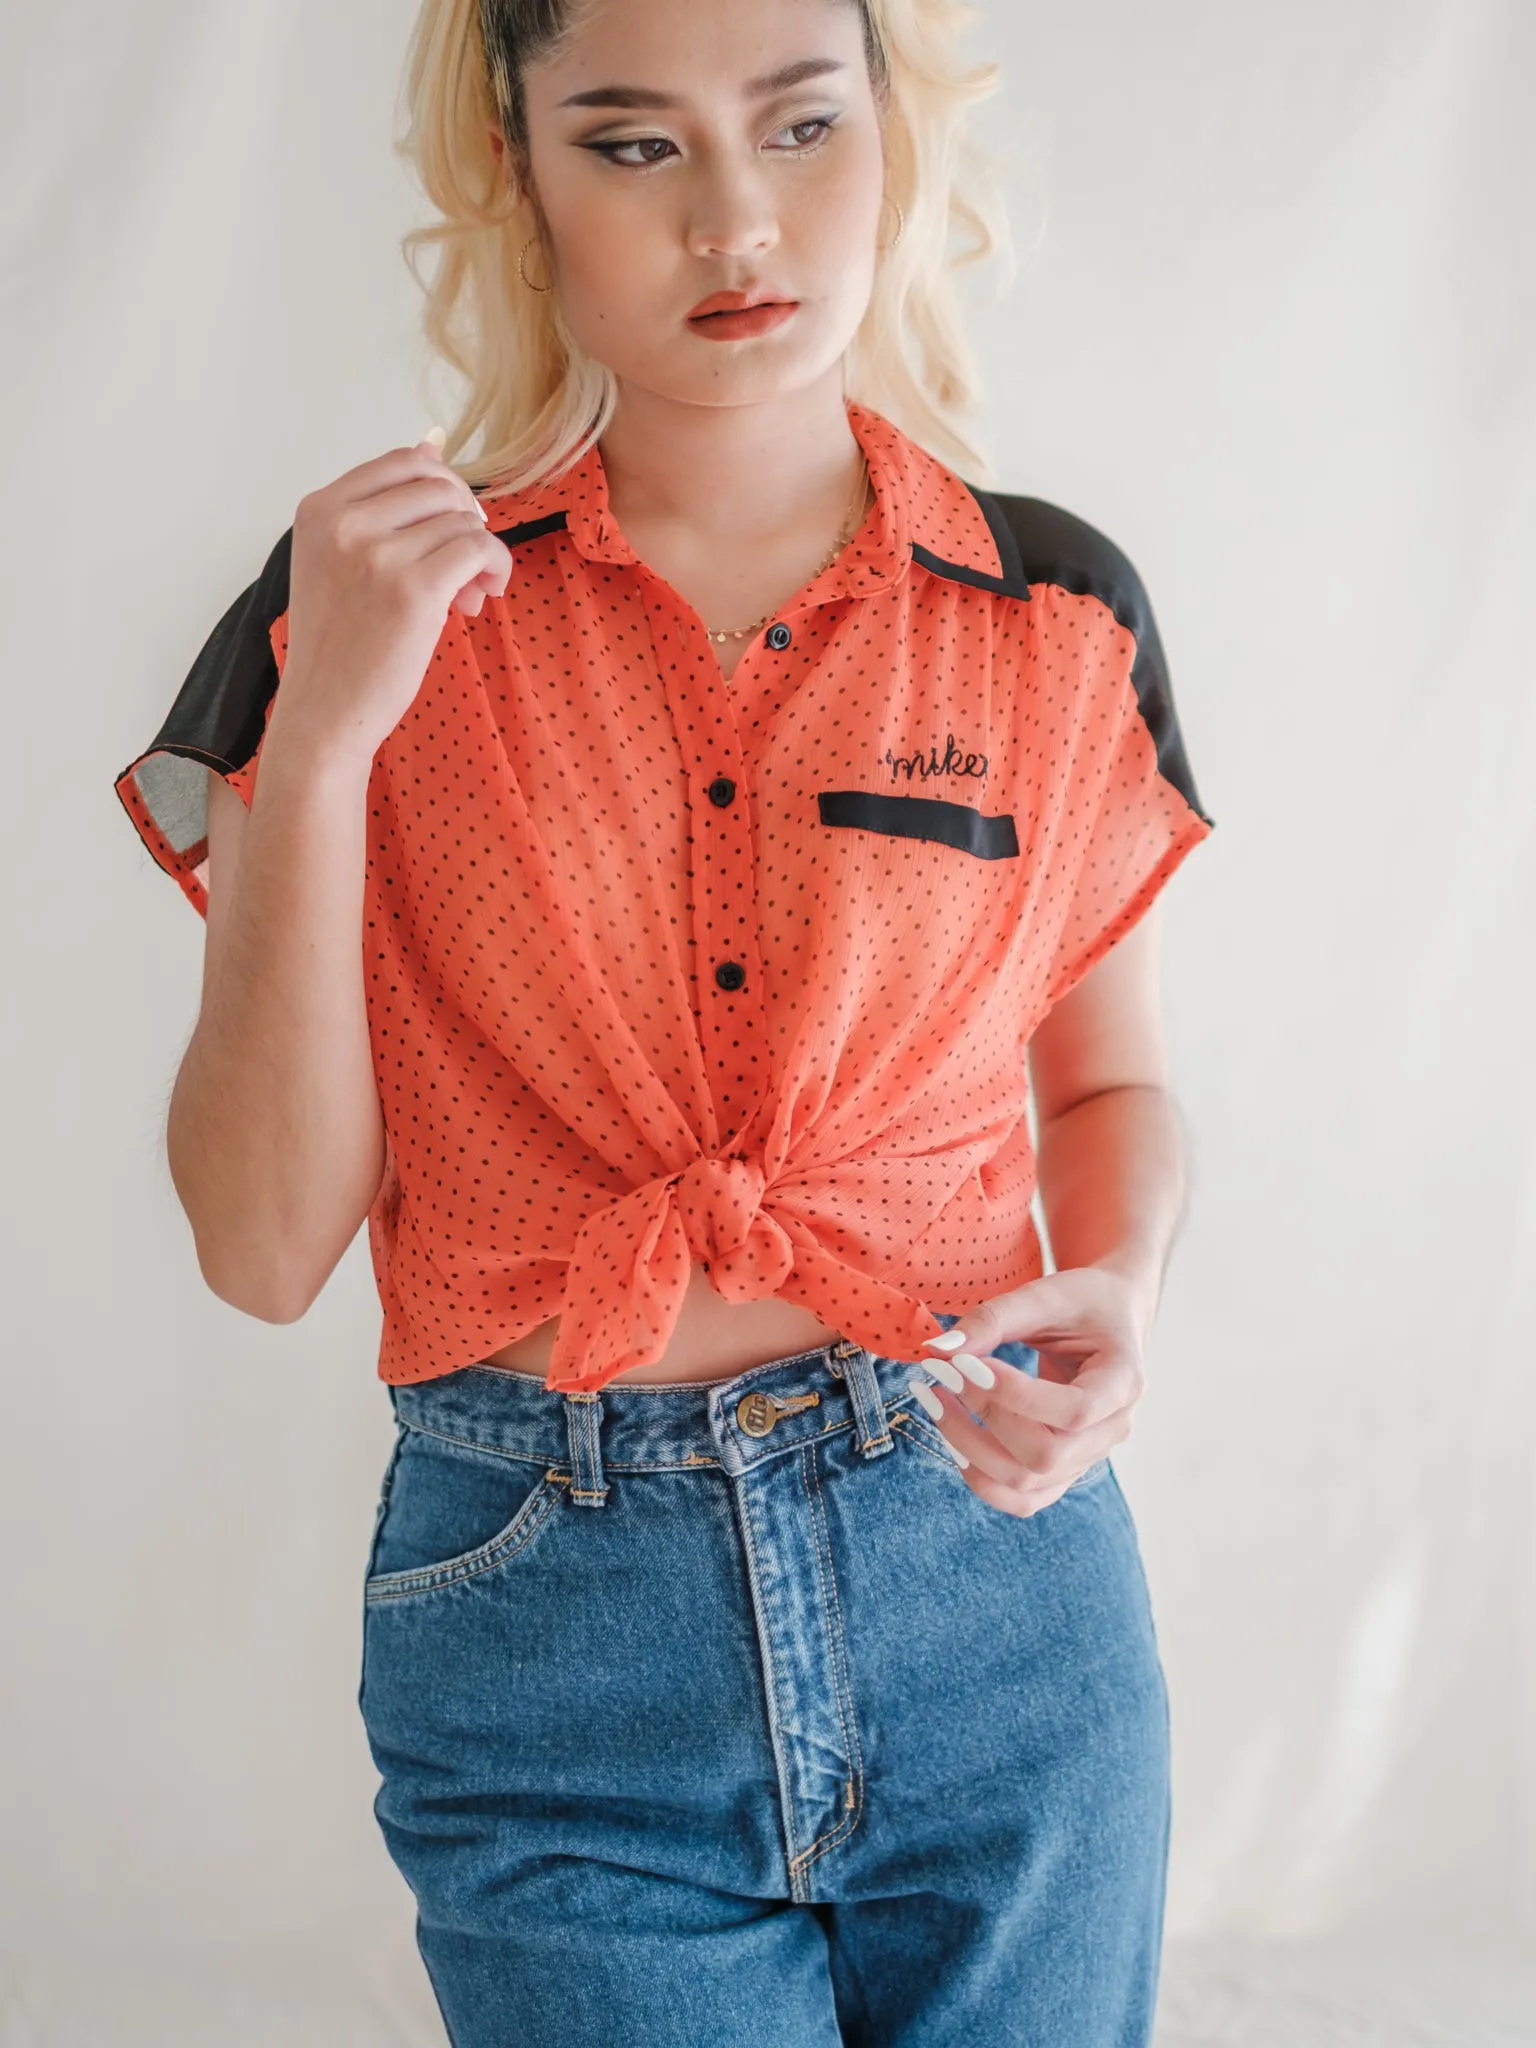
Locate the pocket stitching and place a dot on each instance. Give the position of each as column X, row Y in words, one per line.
column 529, row 1518
column 925, row 1437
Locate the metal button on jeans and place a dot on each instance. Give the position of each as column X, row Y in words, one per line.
column 757, row 1412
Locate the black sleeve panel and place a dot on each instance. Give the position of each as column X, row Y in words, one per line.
column 216, row 721
column 220, row 709
column 1040, row 543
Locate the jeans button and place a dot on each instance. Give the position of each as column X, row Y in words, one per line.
column 757, row 1413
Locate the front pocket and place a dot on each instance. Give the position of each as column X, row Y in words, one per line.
column 920, row 1432
column 453, row 1511
column 923, row 817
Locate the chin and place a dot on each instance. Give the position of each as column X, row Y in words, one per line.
column 732, row 373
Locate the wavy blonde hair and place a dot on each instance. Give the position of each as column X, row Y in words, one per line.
column 535, row 400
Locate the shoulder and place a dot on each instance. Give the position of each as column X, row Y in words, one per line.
column 1043, row 546
column 1041, row 543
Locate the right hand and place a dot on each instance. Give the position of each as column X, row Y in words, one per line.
column 379, row 558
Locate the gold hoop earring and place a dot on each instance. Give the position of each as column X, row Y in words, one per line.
column 522, row 273
column 901, row 221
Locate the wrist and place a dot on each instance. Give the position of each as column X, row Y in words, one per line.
column 313, row 749
column 1139, row 1271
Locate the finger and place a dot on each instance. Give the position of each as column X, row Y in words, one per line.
column 409, row 503
column 1100, row 1387
column 1039, row 1305
column 974, row 1444
column 1015, row 1500
column 448, row 527
column 1045, row 1457
column 394, row 466
column 1014, row 1457
column 489, row 583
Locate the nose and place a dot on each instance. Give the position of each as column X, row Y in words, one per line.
column 732, row 212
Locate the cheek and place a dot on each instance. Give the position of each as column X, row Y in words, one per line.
column 605, row 259
column 830, row 233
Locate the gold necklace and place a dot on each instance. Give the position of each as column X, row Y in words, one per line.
column 845, row 533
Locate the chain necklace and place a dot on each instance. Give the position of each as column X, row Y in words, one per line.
column 845, row 533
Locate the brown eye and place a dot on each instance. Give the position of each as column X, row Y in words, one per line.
column 610, row 150
column 821, row 126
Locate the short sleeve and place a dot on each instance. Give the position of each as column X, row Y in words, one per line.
column 1130, row 811
column 218, row 720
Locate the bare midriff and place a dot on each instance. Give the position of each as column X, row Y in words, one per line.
column 714, row 1338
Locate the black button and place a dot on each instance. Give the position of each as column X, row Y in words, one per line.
column 730, row 974
column 778, row 635
column 722, row 791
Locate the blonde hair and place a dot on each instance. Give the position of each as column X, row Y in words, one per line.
column 534, row 398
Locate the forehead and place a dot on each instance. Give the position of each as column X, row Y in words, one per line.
column 674, row 46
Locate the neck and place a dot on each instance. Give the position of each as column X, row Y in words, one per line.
column 739, row 470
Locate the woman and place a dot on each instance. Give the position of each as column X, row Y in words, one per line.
column 741, row 812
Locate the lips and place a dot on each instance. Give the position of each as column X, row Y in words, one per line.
column 740, row 316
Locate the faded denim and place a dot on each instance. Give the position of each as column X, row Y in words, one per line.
column 694, row 1737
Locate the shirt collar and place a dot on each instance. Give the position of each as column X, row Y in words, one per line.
column 918, row 502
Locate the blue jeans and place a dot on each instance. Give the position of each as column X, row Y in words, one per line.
column 725, row 1715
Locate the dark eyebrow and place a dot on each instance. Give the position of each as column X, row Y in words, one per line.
column 792, row 74
column 756, row 88
column 618, row 96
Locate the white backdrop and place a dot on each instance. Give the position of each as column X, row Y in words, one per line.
column 1272, row 332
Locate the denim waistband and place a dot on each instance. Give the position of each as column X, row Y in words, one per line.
column 731, row 1424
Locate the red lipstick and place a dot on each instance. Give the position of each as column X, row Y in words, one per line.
column 735, row 316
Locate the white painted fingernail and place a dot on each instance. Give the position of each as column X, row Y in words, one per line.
column 482, row 511
column 943, row 1370
column 976, row 1370
column 926, row 1399
column 438, row 436
column 959, row 1456
column 947, row 1340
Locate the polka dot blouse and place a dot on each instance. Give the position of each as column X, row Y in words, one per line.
column 662, row 967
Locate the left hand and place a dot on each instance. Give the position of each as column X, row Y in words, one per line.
column 1037, row 1436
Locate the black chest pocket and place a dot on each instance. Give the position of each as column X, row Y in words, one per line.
column 923, row 817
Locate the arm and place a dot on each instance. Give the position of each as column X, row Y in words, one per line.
column 276, row 1132
column 1111, row 1183
column 275, row 1135
column 1109, row 1152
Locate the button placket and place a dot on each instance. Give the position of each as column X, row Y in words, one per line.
column 726, row 949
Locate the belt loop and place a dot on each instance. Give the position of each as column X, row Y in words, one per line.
column 584, row 1415
column 870, row 1425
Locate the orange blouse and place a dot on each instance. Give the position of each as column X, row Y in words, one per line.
column 663, row 967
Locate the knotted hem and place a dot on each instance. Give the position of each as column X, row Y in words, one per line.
column 632, row 1261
